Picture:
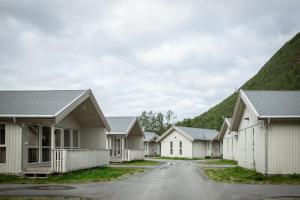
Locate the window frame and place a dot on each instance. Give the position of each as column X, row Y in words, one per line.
column 171, row 147
column 180, row 147
column 3, row 145
column 36, row 147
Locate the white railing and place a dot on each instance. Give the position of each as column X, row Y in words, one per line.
column 65, row 160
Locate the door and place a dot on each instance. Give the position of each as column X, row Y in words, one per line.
column 116, row 147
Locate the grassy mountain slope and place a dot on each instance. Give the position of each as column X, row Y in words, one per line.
column 281, row 72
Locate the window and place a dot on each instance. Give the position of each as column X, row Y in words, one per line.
column 46, row 143
column 67, row 139
column 33, row 143
column 180, row 148
column 75, row 139
column 57, row 135
column 171, row 147
column 2, row 144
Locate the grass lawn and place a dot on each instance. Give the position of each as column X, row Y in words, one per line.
column 141, row 163
column 87, row 175
column 221, row 162
column 178, row 158
column 242, row 175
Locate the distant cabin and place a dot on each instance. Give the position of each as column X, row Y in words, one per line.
column 126, row 139
column 189, row 142
column 151, row 146
column 229, row 141
column 267, row 127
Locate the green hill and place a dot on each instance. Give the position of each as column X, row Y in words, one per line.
column 281, row 72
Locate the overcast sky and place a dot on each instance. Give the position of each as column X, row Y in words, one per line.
column 182, row 55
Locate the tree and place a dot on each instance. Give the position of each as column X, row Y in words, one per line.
column 157, row 122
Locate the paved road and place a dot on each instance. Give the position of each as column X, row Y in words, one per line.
column 175, row 180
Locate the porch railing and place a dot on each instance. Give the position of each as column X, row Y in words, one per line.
column 65, row 160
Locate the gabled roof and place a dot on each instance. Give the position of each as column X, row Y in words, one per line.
column 267, row 105
column 225, row 125
column 149, row 136
column 55, row 104
column 192, row 133
column 275, row 103
column 122, row 125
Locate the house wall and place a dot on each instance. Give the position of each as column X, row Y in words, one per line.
column 135, row 142
column 283, row 147
column 13, row 142
column 151, row 148
column 69, row 122
column 230, row 145
column 215, row 149
column 199, row 149
column 93, row 138
column 251, row 142
column 176, row 137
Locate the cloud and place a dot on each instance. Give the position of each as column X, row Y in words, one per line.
column 142, row 55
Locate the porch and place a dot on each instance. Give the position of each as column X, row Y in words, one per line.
column 120, row 149
column 65, row 160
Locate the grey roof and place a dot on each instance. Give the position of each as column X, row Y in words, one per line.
column 275, row 103
column 120, row 125
column 36, row 103
column 199, row 133
column 149, row 136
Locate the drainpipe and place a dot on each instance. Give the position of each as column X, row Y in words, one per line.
column 267, row 147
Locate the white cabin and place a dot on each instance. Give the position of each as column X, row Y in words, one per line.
column 151, row 146
column 125, row 140
column 268, row 128
column 189, row 142
column 229, row 141
column 56, row 131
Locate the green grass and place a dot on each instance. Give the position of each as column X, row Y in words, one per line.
column 221, row 162
column 178, row 158
column 281, row 72
column 242, row 175
column 88, row 175
column 141, row 163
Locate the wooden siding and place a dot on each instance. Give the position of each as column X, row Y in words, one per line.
column 251, row 142
column 284, row 148
column 199, row 149
column 13, row 142
column 93, row 138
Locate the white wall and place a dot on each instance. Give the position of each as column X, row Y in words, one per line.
column 93, row 138
column 199, row 149
column 284, row 147
column 175, row 137
column 69, row 122
column 251, row 142
column 230, row 145
column 13, row 142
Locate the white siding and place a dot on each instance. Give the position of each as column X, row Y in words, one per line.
column 230, row 145
column 175, row 137
column 284, row 148
column 92, row 138
column 69, row 122
column 13, row 141
column 199, row 149
column 251, row 142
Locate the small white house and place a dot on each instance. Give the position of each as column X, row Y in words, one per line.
column 189, row 142
column 229, row 141
column 125, row 140
column 52, row 131
column 268, row 127
column 151, row 147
